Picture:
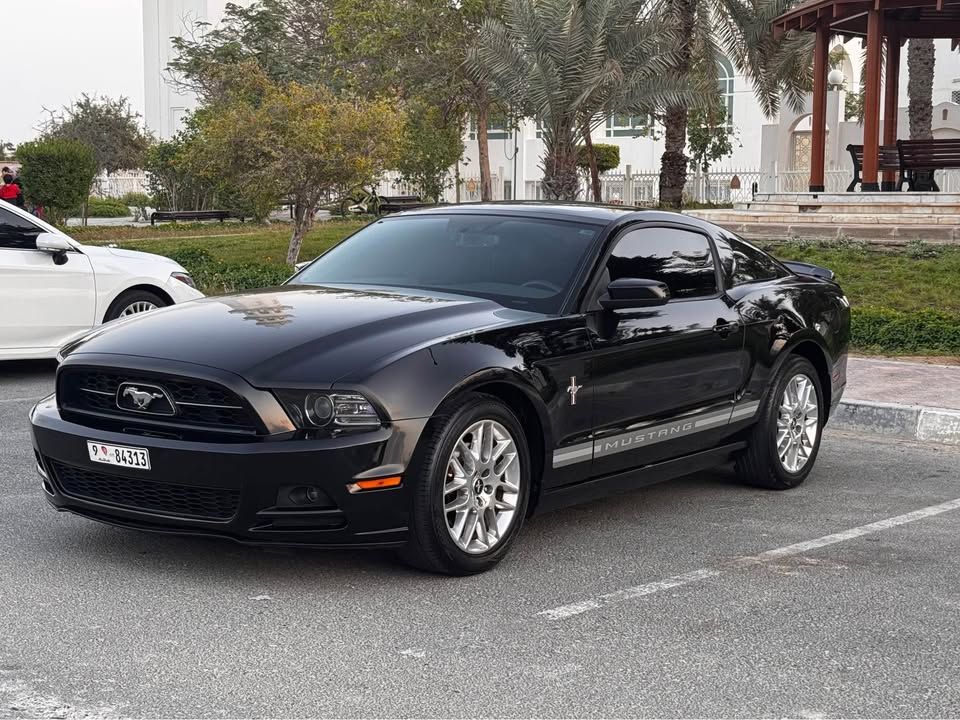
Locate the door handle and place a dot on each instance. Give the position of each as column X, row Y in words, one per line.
column 724, row 328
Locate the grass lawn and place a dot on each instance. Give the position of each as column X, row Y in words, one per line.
column 889, row 279
column 904, row 302
column 227, row 243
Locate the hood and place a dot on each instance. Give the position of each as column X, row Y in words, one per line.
column 297, row 336
column 134, row 255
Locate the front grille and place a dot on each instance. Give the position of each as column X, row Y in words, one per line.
column 187, row 501
column 197, row 403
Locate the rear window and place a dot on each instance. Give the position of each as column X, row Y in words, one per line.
column 522, row 263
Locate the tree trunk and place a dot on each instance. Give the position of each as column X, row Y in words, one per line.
column 560, row 178
column 483, row 147
column 594, row 171
column 673, row 162
column 921, row 57
column 302, row 223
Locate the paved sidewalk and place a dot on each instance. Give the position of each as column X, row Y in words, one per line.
column 903, row 383
column 914, row 400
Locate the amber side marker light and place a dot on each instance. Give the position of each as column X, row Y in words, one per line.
column 378, row 484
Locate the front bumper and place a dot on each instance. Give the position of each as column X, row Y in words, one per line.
column 240, row 491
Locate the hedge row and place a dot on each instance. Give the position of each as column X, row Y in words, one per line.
column 874, row 329
column 216, row 277
column 914, row 332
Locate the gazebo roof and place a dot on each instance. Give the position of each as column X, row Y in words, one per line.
column 913, row 18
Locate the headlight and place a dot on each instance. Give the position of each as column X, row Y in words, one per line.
column 184, row 278
column 329, row 409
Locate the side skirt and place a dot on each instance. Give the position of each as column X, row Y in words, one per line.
column 636, row 478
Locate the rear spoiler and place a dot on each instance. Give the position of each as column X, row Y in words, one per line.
column 802, row 268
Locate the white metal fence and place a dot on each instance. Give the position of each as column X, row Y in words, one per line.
column 119, row 184
column 390, row 184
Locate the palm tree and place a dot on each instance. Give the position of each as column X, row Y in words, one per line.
column 921, row 57
column 570, row 62
column 741, row 30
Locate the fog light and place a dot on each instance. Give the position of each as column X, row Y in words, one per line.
column 306, row 495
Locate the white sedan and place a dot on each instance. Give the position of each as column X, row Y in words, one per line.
column 53, row 289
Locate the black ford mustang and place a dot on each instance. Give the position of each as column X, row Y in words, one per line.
column 442, row 374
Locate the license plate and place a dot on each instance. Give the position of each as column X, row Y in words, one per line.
column 119, row 455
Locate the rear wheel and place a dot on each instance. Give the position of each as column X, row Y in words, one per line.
column 134, row 302
column 472, row 485
column 785, row 441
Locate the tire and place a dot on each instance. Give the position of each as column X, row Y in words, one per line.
column 125, row 303
column 761, row 464
column 432, row 545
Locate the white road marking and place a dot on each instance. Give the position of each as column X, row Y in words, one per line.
column 23, row 701
column 20, row 399
column 630, row 593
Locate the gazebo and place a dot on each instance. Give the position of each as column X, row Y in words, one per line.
column 885, row 24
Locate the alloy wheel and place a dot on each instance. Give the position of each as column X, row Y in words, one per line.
column 482, row 487
column 798, row 423
column 138, row 307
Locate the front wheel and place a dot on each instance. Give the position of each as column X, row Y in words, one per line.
column 784, row 443
column 472, row 486
column 134, row 302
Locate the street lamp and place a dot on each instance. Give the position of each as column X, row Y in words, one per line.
column 835, row 79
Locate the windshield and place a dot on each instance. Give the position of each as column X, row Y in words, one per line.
column 521, row 263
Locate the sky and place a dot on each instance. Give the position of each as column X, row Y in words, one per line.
column 57, row 49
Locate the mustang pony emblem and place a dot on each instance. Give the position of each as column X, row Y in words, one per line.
column 141, row 398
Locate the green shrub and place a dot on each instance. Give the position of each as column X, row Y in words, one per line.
column 136, row 199
column 913, row 332
column 106, row 208
column 57, row 175
column 215, row 277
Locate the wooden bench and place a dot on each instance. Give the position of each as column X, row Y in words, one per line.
column 889, row 160
column 193, row 215
column 920, row 158
column 396, row 203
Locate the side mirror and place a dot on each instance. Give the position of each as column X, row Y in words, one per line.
column 634, row 293
column 56, row 245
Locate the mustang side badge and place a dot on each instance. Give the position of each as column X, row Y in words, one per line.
column 573, row 389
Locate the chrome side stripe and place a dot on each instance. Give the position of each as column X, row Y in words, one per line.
column 651, row 434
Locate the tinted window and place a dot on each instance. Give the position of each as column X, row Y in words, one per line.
column 17, row 232
column 742, row 263
column 679, row 258
column 524, row 263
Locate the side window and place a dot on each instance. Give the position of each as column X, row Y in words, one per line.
column 679, row 258
column 17, row 232
column 742, row 263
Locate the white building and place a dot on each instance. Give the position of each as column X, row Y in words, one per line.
column 766, row 150
column 165, row 108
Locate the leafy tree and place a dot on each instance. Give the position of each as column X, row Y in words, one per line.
column 606, row 158
column 741, row 29
column 569, row 62
column 298, row 142
column 709, row 136
column 173, row 184
column 288, row 40
column 921, row 59
column 415, row 50
column 110, row 127
column 57, row 174
column 429, row 146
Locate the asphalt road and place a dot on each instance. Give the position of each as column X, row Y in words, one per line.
column 655, row 603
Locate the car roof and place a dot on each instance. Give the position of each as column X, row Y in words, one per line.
column 575, row 212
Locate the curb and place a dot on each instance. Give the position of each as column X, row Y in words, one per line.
column 913, row 422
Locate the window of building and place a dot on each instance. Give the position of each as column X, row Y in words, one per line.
column 725, row 86
column 679, row 258
column 627, row 125
column 955, row 97
column 498, row 128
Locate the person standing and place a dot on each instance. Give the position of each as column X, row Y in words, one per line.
column 11, row 191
